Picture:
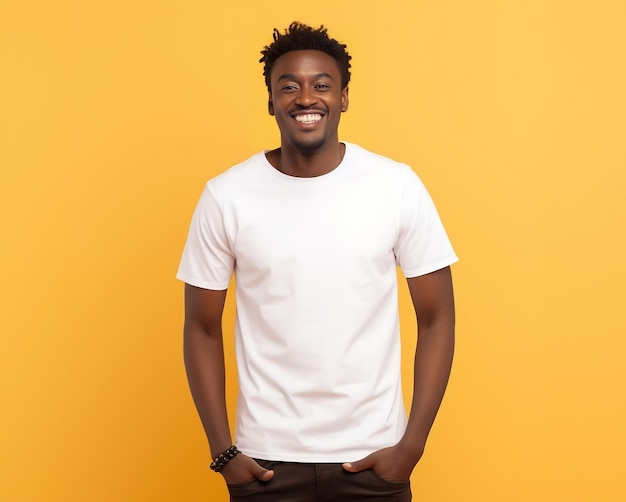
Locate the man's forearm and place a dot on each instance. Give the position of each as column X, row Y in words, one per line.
column 204, row 363
column 433, row 361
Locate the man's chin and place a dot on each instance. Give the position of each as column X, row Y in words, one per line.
column 309, row 147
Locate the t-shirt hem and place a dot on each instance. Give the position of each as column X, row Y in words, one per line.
column 312, row 459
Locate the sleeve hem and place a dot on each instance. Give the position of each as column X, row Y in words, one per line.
column 432, row 267
column 193, row 281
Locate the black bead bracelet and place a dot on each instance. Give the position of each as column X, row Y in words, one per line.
column 223, row 458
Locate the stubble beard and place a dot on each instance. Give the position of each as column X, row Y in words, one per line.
column 309, row 147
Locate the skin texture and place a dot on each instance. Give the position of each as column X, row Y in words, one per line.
column 305, row 82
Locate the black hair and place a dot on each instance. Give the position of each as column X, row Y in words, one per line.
column 300, row 37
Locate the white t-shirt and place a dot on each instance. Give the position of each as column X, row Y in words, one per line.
column 317, row 331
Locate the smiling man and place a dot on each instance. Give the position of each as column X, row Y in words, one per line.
column 313, row 232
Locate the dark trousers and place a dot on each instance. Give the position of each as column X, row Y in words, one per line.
column 298, row 482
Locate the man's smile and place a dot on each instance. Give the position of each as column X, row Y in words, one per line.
column 309, row 118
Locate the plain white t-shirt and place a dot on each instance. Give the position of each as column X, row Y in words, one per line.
column 317, row 330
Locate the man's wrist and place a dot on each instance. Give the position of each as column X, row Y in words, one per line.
column 410, row 450
column 220, row 461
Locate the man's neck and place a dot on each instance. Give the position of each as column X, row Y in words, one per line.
column 306, row 165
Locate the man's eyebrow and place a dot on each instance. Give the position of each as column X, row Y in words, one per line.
column 291, row 76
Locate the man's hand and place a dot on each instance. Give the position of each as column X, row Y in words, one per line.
column 243, row 468
column 393, row 464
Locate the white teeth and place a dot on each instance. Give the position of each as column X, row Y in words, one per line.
column 309, row 118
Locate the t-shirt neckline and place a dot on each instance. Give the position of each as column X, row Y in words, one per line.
column 275, row 173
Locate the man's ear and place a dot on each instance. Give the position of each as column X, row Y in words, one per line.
column 344, row 99
column 270, row 105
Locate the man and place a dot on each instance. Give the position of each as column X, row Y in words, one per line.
column 313, row 231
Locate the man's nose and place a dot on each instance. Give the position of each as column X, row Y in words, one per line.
column 306, row 97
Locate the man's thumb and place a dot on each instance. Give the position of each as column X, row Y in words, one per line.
column 264, row 475
column 359, row 465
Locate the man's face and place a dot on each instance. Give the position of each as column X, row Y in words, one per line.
column 307, row 99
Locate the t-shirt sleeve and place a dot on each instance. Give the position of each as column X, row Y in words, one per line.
column 207, row 260
column 422, row 245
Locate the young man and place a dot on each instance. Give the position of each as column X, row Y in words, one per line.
column 313, row 232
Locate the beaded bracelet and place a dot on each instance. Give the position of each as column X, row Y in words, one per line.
column 223, row 458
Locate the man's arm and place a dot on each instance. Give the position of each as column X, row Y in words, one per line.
column 204, row 362
column 433, row 300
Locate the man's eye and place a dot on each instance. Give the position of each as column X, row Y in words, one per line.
column 289, row 88
column 322, row 86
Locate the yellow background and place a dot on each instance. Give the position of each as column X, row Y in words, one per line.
column 113, row 114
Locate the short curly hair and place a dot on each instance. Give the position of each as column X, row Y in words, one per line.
column 300, row 37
